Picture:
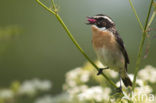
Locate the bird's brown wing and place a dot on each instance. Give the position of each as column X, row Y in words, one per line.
column 122, row 48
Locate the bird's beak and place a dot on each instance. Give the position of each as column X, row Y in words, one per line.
column 91, row 20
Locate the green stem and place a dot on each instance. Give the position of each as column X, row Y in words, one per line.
column 75, row 42
column 45, row 7
column 53, row 4
column 141, row 46
column 141, row 26
column 152, row 18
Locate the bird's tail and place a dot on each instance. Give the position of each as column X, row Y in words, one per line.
column 126, row 80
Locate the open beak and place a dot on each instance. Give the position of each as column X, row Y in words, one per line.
column 91, row 20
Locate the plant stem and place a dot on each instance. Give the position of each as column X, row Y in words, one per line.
column 53, row 4
column 45, row 7
column 140, row 24
column 152, row 17
column 74, row 41
column 141, row 46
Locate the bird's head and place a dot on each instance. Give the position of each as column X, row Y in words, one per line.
column 101, row 21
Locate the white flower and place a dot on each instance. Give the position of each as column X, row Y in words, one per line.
column 71, row 83
column 72, row 76
column 73, row 73
column 148, row 74
column 61, row 98
column 84, row 76
column 77, row 75
column 97, row 93
column 76, row 90
column 6, row 94
column 107, row 92
column 143, row 90
column 43, row 85
column 27, row 88
column 30, row 87
column 142, row 94
column 45, row 99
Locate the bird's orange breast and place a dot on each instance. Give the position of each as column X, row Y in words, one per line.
column 103, row 39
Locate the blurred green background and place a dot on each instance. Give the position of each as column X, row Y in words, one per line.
column 43, row 49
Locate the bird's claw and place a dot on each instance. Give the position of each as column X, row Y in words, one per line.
column 100, row 70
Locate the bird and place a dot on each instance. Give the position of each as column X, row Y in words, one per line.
column 109, row 46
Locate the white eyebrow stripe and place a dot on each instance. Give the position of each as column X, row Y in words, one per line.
column 105, row 18
column 108, row 19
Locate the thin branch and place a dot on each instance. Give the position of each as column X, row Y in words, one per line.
column 75, row 42
column 44, row 6
column 53, row 4
column 141, row 46
column 140, row 24
column 152, row 18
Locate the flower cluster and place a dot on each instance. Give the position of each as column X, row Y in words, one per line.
column 61, row 98
column 96, row 93
column 148, row 74
column 27, row 88
column 31, row 87
column 143, row 93
column 82, row 86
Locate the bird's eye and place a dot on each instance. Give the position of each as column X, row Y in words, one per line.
column 104, row 23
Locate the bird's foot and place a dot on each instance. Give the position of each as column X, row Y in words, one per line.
column 101, row 69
